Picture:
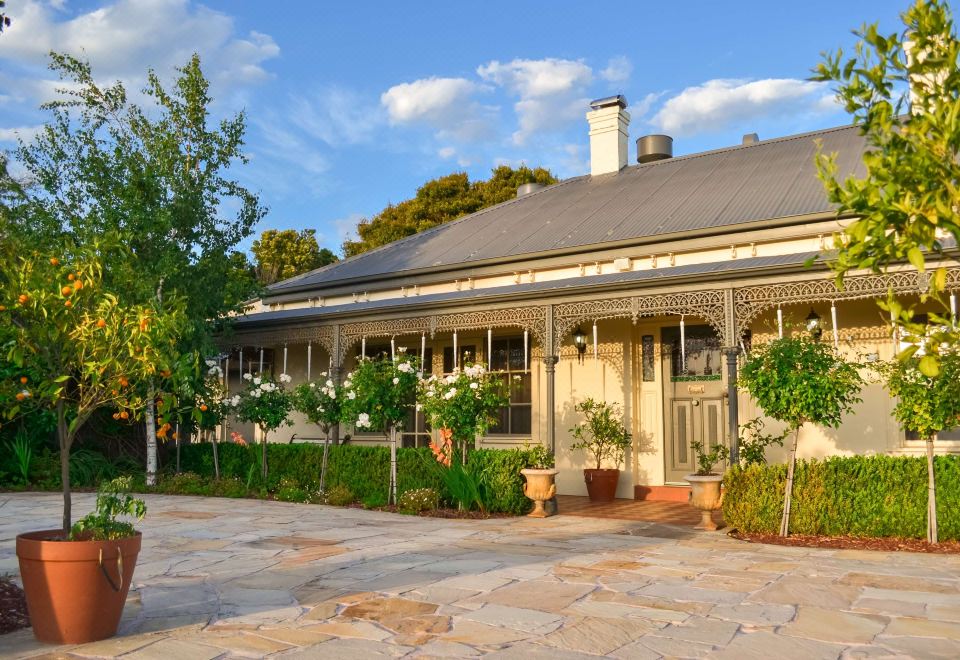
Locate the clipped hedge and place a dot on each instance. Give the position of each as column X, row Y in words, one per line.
column 365, row 470
column 871, row 496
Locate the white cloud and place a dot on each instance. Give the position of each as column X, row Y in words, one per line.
column 25, row 133
column 716, row 104
column 446, row 104
column 346, row 228
column 618, row 70
column 551, row 91
column 446, row 153
column 336, row 116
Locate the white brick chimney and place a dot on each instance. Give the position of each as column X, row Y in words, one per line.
column 608, row 121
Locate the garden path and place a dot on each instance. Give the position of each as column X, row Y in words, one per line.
column 249, row 578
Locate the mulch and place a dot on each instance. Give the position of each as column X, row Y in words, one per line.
column 13, row 607
column 438, row 513
column 852, row 543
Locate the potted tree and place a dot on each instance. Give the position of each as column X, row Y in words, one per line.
column 603, row 434
column 265, row 403
column 541, row 477
column 86, row 350
column 377, row 395
column 798, row 380
column 321, row 403
column 463, row 406
column 926, row 405
column 705, row 484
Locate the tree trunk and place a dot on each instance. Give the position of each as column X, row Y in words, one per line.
column 63, row 435
column 788, row 490
column 323, row 465
column 393, row 466
column 151, row 429
column 216, row 453
column 931, row 494
column 263, row 455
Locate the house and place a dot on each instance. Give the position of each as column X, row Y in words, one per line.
column 636, row 283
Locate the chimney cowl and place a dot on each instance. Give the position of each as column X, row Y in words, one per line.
column 652, row 148
column 750, row 138
column 527, row 188
column 609, row 101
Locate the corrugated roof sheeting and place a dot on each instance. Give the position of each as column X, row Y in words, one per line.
column 766, row 180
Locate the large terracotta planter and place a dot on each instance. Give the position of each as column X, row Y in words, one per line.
column 75, row 590
column 601, row 484
column 539, row 487
column 705, row 495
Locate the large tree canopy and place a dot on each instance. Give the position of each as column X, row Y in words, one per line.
column 903, row 91
column 442, row 200
column 287, row 253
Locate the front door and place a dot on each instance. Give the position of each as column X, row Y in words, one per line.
column 695, row 405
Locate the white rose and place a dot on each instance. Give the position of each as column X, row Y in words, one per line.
column 265, row 387
column 351, row 395
column 349, row 375
column 450, row 379
column 329, row 383
column 313, row 386
column 247, row 376
column 452, row 392
column 404, row 367
column 396, row 381
column 257, row 380
column 333, row 394
column 284, row 378
column 474, row 386
column 348, row 384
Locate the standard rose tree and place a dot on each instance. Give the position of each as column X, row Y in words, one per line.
column 85, row 348
column 321, row 402
column 267, row 404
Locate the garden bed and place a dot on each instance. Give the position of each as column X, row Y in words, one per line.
column 13, row 607
column 442, row 512
column 883, row 544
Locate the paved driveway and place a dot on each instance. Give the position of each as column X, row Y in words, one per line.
column 245, row 578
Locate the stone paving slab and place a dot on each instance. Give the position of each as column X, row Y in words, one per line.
column 224, row 579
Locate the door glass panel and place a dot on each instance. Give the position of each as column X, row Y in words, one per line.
column 701, row 360
column 646, row 358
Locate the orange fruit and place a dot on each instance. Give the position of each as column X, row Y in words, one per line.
column 165, row 373
column 114, row 392
column 23, row 298
column 124, row 382
column 203, row 407
column 66, row 290
column 23, row 379
column 101, row 323
column 116, row 415
column 124, row 415
column 54, row 261
column 21, row 396
column 3, row 308
column 68, row 304
column 78, row 285
column 71, row 277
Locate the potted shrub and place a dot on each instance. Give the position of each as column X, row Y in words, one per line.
column 267, row 404
column 377, row 396
column 926, row 405
column 85, row 350
column 321, row 403
column 798, row 380
column 540, row 483
column 603, row 434
column 705, row 483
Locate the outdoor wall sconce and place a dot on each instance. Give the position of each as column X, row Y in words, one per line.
column 814, row 327
column 580, row 341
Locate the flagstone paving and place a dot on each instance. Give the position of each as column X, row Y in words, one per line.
column 221, row 578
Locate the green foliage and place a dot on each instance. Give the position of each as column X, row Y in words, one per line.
column 22, row 450
column 340, row 495
column 602, row 433
column 541, row 458
column 925, row 404
column 462, row 484
column 870, row 496
column 417, row 500
column 439, row 201
column 113, row 500
column 375, row 501
column 263, row 402
column 798, row 379
column 754, row 442
column 284, row 254
column 908, row 194
column 707, row 459
column 291, row 490
column 378, row 393
column 185, row 483
column 321, row 401
column 467, row 402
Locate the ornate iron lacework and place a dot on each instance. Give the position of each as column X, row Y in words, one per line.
column 533, row 319
column 751, row 301
column 707, row 305
column 322, row 335
column 351, row 333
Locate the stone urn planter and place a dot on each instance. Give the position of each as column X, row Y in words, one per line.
column 705, row 496
column 539, row 487
column 601, row 484
column 75, row 590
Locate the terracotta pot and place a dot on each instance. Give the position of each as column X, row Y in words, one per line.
column 601, row 484
column 540, row 486
column 705, row 495
column 75, row 589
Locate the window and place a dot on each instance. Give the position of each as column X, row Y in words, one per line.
column 702, row 353
column 647, row 357
column 416, row 429
column 508, row 358
column 467, row 354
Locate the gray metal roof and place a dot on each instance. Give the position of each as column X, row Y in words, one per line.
column 747, row 183
column 640, row 277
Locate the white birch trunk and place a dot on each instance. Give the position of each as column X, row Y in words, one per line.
column 151, row 424
column 931, row 494
column 393, row 465
column 788, row 490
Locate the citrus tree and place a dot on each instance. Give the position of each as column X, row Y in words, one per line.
column 266, row 403
column 798, row 380
column 321, row 402
column 377, row 396
column 926, row 406
column 86, row 348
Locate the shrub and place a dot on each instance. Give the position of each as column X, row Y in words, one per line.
column 185, row 483
column 339, row 495
column 231, row 487
column 869, row 496
column 421, row 499
column 291, row 490
column 374, row 501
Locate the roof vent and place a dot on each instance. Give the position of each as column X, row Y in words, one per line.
column 750, row 138
column 654, row 147
column 528, row 188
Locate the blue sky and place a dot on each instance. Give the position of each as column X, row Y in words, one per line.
column 351, row 106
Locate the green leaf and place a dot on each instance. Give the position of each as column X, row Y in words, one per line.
column 915, row 256
column 929, row 366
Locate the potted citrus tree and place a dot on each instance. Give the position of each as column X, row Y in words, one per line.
column 86, row 350
column 926, row 405
column 320, row 402
column 604, row 435
column 267, row 404
column 705, row 494
column 799, row 380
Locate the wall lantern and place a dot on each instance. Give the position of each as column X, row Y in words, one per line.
column 580, row 341
column 814, row 327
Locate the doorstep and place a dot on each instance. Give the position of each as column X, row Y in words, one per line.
column 676, row 493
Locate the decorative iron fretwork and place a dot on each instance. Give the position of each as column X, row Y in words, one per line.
column 351, row 333
column 751, row 301
column 707, row 305
column 533, row 319
column 321, row 334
